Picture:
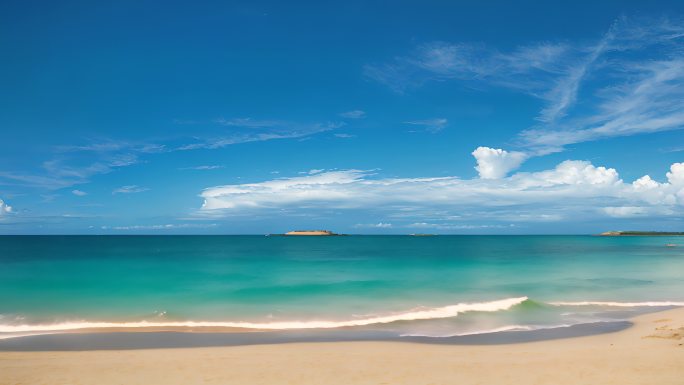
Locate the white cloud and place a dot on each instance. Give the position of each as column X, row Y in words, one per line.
column 645, row 183
column 495, row 163
column 528, row 68
column 161, row 227
column 563, row 93
column 452, row 226
column 572, row 172
column 625, row 211
column 129, row 189
column 59, row 174
column 260, row 131
column 4, row 208
column 640, row 64
column 430, row 125
column 74, row 165
column 113, row 146
column 202, row 168
column 345, row 136
column 79, row 193
column 77, row 164
column 676, row 174
column 311, row 188
column 355, row 114
column 248, row 122
column 646, row 103
column 379, row 225
column 571, row 189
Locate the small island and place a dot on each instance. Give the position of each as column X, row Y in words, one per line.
column 640, row 233
column 311, row 233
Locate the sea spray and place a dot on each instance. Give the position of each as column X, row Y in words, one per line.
column 425, row 314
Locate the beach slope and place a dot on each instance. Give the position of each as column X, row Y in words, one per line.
column 650, row 352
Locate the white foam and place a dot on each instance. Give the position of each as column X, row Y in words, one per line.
column 494, row 330
column 421, row 314
column 507, row 328
column 28, row 334
column 619, row 304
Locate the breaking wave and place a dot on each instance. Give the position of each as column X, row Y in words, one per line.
column 413, row 315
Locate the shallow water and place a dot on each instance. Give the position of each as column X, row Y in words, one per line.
column 405, row 286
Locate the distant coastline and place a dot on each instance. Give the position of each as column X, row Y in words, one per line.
column 640, row 233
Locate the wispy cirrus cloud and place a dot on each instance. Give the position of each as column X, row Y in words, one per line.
column 628, row 81
column 258, row 131
column 203, row 168
column 345, row 136
column 528, row 68
column 430, row 125
column 168, row 226
column 453, row 226
column 354, row 114
column 60, row 173
column 250, row 122
column 112, row 146
column 650, row 103
column 130, row 189
column 71, row 165
column 379, row 225
column 76, row 164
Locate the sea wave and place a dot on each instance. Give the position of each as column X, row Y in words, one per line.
column 412, row 315
column 619, row 304
column 507, row 328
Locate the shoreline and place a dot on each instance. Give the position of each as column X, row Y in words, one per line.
column 139, row 339
column 151, row 335
column 649, row 352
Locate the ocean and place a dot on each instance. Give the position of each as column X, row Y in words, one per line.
column 404, row 286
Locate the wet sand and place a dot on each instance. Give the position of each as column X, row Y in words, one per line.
column 649, row 352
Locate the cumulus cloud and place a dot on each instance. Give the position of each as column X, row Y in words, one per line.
column 4, row 208
column 572, row 173
column 571, row 188
column 495, row 163
column 676, row 174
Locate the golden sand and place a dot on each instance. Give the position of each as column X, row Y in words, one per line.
column 650, row 352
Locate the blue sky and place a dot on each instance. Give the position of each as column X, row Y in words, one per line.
column 258, row 117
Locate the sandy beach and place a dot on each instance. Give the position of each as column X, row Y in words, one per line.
column 650, row 352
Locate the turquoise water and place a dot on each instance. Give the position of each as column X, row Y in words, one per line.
column 410, row 285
